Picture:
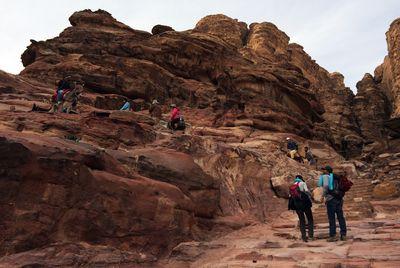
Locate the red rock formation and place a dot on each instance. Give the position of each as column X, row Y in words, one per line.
column 55, row 190
column 386, row 76
column 108, row 187
column 372, row 108
column 197, row 67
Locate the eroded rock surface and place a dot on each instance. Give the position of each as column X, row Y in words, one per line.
column 105, row 187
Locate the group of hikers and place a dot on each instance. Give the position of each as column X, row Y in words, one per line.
column 67, row 93
column 334, row 188
column 65, row 99
column 176, row 120
column 293, row 152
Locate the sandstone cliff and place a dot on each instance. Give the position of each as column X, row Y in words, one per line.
column 105, row 187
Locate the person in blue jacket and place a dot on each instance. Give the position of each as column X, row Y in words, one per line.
column 334, row 203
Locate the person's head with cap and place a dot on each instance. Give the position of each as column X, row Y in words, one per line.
column 327, row 169
column 298, row 178
column 173, row 105
column 288, row 138
column 155, row 101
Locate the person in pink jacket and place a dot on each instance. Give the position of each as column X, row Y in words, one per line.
column 175, row 117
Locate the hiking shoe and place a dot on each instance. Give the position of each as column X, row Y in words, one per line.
column 332, row 239
column 305, row 239
column 343, row 238
column 311, row 239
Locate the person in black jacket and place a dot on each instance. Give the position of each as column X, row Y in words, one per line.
column 293, row 148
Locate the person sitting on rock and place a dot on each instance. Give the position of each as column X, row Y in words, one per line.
column 293, row 148
column 176, row 120
column 334, row 203
column 309, row 156
column 126, row 106
column 300, row 201
column 63, row 86
column 155, row 110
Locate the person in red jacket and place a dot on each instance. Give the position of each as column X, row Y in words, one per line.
column 175, row 116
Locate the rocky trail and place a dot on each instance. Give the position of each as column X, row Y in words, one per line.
column 371, row 243
column 111, row 188
column 357, row 205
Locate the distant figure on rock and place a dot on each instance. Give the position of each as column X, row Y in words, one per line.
column 71, row 98
column 309, row 156
column 300, row 201
column 293, row 148
column 176, row 120
column 334, row 203
column 155, row 109
column 126, row 106
column 63, row 87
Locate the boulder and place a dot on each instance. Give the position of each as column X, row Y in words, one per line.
column 281, row 185
column 230, row 30
column 55, row 190
column 318, row 194
column 159, row 29
column 386, row 189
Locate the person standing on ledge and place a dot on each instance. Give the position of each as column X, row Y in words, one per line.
column 300, row 201
column 334, row 203
column 309, row 156
column 155, row 110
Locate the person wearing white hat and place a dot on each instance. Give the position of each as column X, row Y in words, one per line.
column 155, row 109
column 292, row 147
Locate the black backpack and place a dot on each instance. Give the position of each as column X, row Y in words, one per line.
column 340, row 186
column 181, row 124
column 298, row 200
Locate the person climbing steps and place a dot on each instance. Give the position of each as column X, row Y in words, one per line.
column 300, row 201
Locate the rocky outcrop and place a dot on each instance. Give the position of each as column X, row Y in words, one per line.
column 336, row 100
column 104, row 187
column 392, row 78
column 159, row 29
column 372, row 108
column 227, row 29
column 326, row 92
column 55, row 190
column 386, row 79
column 268, row 41
column 220, row 64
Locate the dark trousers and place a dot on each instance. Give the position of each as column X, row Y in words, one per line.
column 310, row 221
column 335, row 208
column 173, row 124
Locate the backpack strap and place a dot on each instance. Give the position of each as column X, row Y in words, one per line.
column 330, row 182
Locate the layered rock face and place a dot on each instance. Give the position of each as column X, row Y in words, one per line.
column 382, row 89
column 372, row 108
column 390, row 74
column 240, row 73
column 105, row 187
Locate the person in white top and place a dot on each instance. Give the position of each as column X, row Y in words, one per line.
column 300, row 201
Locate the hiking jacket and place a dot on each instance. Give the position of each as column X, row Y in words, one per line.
column 310, row 156
column 292, row 145
column 304, row 203
column 303, row 187
column 326, row 182
column 175, row 113
column 126, row 106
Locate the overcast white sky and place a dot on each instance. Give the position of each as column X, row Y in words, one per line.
column 343, row 35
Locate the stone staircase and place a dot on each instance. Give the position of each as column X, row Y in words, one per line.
column 356, row 203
